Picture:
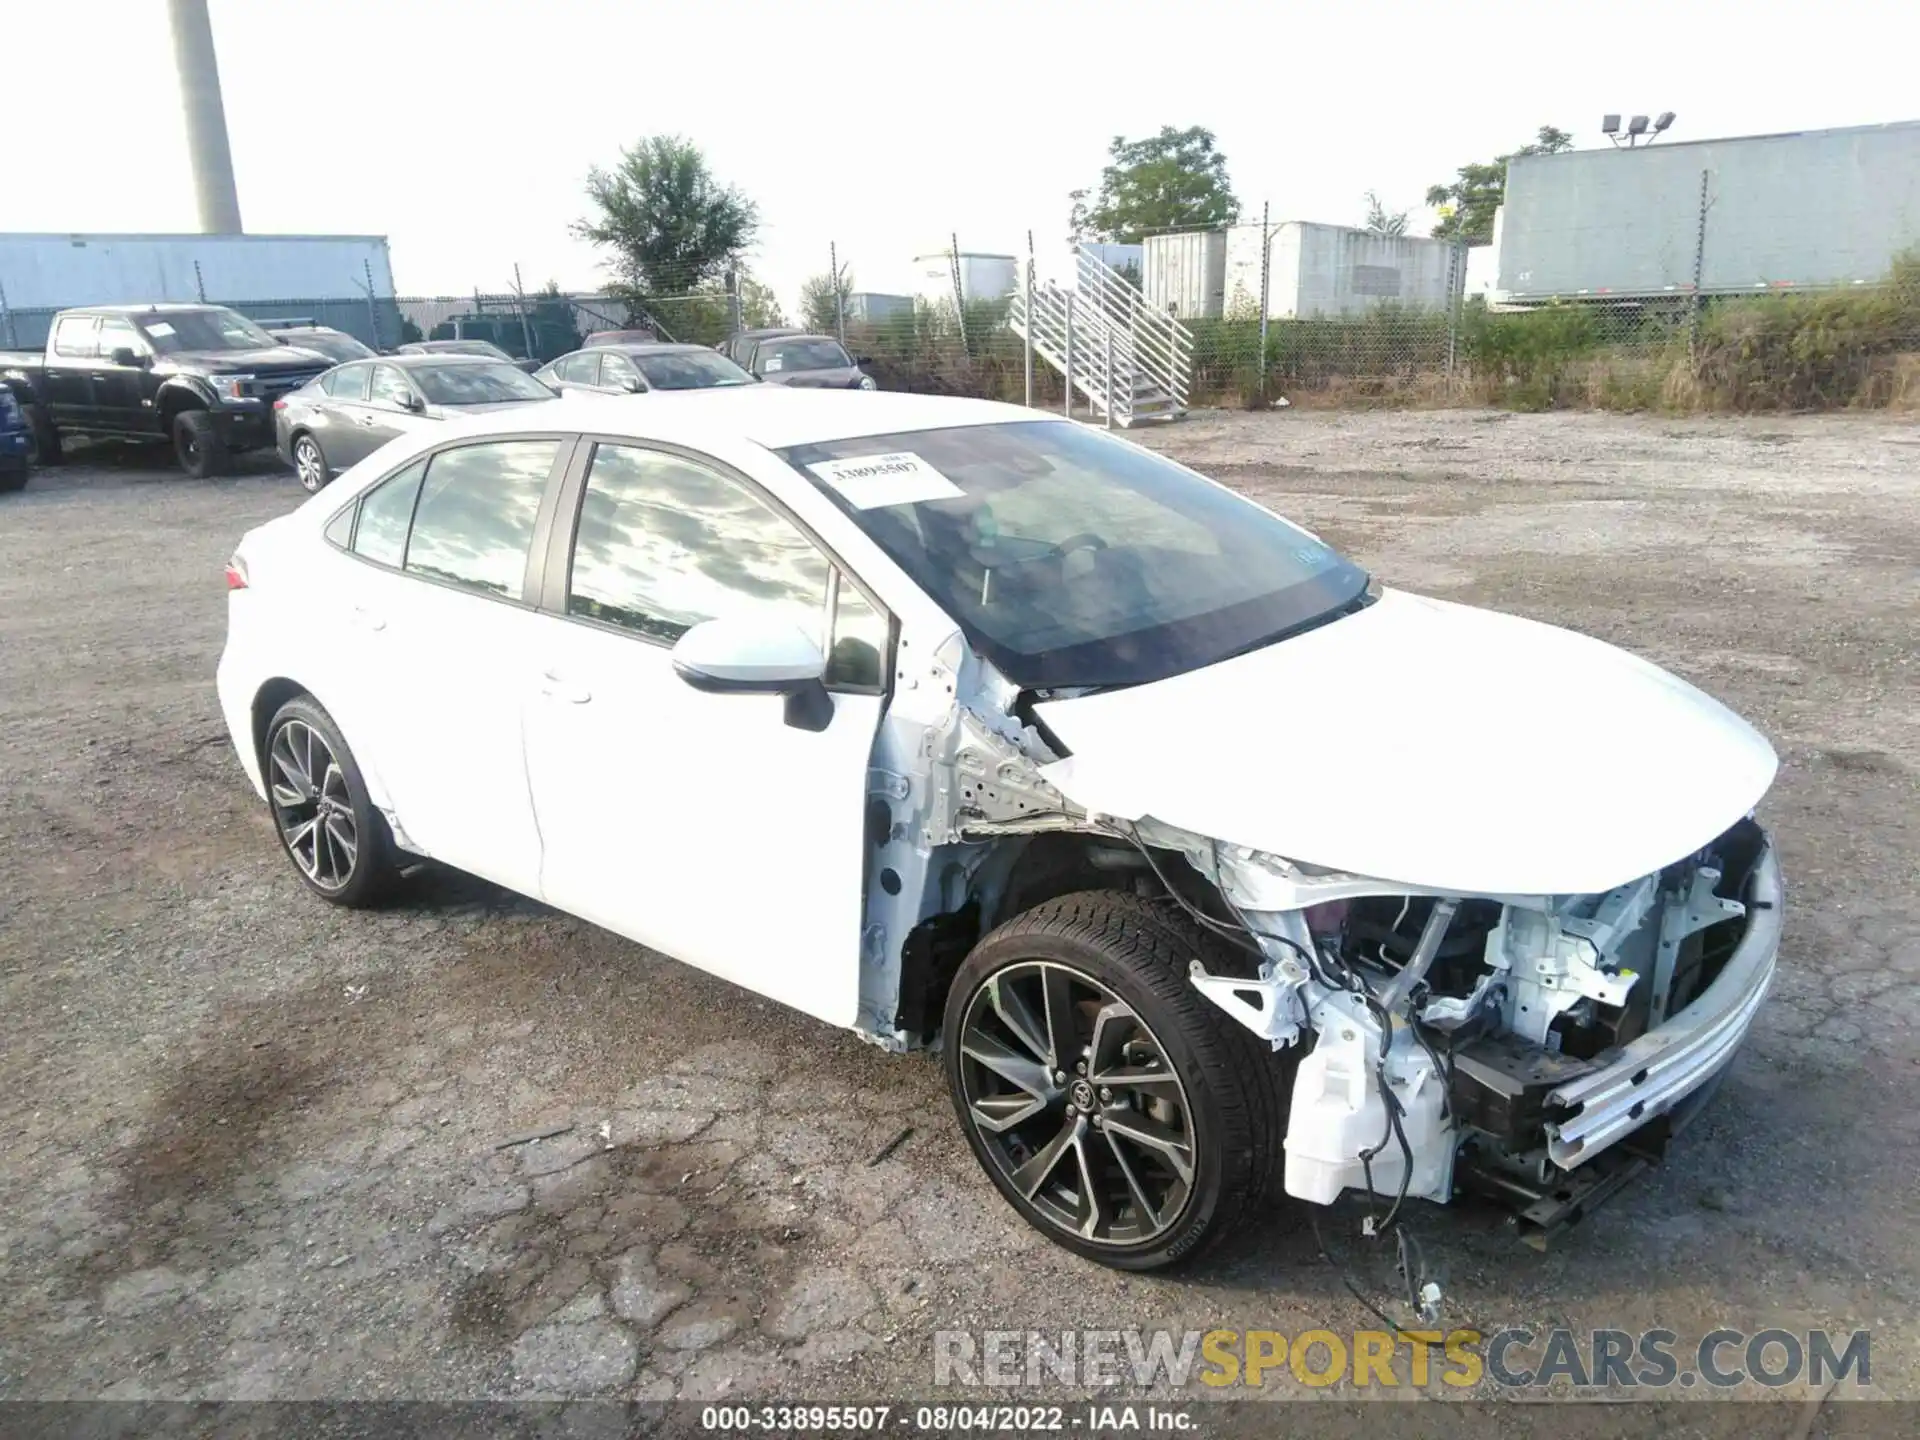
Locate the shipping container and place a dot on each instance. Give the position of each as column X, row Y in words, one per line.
column 1811, row 210
column 872, row 308
column 62, row 271
column 1335, row 270
column 1185, row 275
column 982, row 276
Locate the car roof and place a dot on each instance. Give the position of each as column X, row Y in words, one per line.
column 164, row 307
column 642, row 347
column 779, row 330
column 413, row 360
column 771, row 416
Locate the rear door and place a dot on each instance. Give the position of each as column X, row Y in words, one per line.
column 119, row 391
column 334, row 415
column 703, row 825
column 72, row 350
column 451, row 647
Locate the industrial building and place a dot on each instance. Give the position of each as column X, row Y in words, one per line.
column 1312, row 270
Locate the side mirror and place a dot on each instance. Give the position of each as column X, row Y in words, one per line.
column 413, row 403
column 633, row 387
column 863, row 360
column 125, row 355
column 752, row 657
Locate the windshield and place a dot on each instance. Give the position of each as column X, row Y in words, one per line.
column 337, row 348
column 689, row 370
column 477, row 384
column 178, row 330
column 1074, row 559
column 804, row 355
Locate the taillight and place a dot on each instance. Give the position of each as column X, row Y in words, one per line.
column 280, row 404
column 236, row 573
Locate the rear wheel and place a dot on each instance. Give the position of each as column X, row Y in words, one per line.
column 13, row 476
column 338, row 842
column 199, row 445
column 1123, row 1115
column 310, row 464
column 43, row 441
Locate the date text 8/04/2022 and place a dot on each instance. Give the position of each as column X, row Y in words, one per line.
column 943, row 1419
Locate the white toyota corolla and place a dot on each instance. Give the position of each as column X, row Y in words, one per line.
column 1203, row 859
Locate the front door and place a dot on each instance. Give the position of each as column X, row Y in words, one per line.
column 450, row 650
column 392, row 409
column 703, row 825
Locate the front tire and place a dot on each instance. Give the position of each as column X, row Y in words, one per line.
column 199, row 445
column 338, row 842
column 310, row 465
column 1117, row 1110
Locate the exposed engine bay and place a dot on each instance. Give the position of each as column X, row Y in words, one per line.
column 1479, row 1041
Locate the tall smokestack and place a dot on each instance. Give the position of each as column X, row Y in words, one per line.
column 207, row 148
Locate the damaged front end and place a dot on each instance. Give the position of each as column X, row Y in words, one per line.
column 1538, row 1048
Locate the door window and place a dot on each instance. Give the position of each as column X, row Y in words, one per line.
column 73, row 337
column 474, row 523
column 117, row 334
column 617, row 371
column 664, row 543
column 582, row 369
column 856, row 660
column 390, row 387
column 385, row 513
column 349, row 382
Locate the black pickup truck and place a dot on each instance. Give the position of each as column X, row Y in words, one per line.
column 202, row 376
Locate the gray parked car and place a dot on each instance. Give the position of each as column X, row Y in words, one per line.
column 635, row 369
column 343, row 416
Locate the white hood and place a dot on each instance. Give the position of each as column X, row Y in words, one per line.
column 1427, row 743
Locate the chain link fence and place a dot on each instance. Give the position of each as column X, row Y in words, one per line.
column 951, row 335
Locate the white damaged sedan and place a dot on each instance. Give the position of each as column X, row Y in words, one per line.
column 1206, row 863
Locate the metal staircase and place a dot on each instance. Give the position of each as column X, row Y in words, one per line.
column 1128, row 363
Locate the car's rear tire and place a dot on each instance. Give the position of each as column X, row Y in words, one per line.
column 13, row 477
column 43, row 440
column 198, row 444
column 1082, row 1008
column 338, row 841
column 310, row 464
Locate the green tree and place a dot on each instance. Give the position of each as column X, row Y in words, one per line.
column 1382, row 221
column 817, row 310
column 669, row 223
column 759, row 306
column 1175, row 180
column 1466, row 205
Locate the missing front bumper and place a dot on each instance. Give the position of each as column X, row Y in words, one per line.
column 1654, row 1074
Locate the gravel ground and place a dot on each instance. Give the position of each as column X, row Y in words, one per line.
column 253, row 1147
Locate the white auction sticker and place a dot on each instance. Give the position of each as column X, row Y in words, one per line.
column 870, row 481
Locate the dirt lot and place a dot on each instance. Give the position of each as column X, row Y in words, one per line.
column 250, row 1147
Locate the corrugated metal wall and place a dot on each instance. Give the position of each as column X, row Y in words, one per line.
column 54, row 271
column 1814, row 209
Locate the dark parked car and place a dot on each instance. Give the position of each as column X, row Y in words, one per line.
column 817, row 362
column 739, row 348
column 349, row 412
column 202, row 376
column 634, row 369
column 335, row 346
column 16, row 445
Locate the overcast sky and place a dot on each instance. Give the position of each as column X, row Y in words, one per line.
column 463, row 129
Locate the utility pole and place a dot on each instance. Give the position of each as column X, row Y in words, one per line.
column 193, row 58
